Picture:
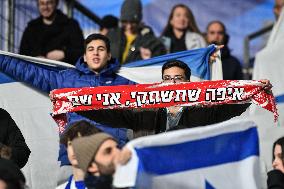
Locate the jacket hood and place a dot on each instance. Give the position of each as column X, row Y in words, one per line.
column 111, row 67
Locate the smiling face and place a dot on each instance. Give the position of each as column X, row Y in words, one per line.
column 96, row 55
column 278, row 160
column 47, row 8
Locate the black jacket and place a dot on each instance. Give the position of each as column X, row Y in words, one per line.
column 147, row 122
column 275, row 180
column 145, row 38
column 232, row 69
column 63, row 34
column 11, row 136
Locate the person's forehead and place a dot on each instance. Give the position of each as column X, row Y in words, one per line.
column 97, row 42
column 174, row 71
column 45, row 1
column 215, row 26
column 277, row 149
column 107, row 144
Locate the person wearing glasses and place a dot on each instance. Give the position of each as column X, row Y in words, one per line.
column 216, row 34
column 146, row 122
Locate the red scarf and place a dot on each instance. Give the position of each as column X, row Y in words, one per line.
column 205, row 93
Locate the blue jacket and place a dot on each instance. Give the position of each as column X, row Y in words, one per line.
column 46, row 79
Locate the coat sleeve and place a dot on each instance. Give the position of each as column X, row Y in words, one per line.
column 16, row 141
column 224, row 112
column 130, row 119
column 22, row 70
column 115, row 118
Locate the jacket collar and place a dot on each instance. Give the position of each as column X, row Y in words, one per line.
column 111, row 67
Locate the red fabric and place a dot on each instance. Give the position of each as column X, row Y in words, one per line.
column 205, row 93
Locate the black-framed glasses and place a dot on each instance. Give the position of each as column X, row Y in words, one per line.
column 176, row 78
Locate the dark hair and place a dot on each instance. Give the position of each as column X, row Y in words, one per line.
column 280, row 142
column 82, row 128
column 97, row 36
column 177, row 63
column 192, row 26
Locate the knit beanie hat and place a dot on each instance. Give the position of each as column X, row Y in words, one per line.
column 131, row 10
column 109, row 21
column 85, row 148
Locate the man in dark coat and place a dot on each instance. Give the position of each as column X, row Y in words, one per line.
column 216, row 34
column 133, row 41
column 12, row 142
column 147, row 122
column 52, row 35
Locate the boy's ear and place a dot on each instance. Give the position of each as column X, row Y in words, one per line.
column 109, row 56
column 84, row 57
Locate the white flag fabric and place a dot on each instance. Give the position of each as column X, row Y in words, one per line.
column 221, row 156
column 269, row 64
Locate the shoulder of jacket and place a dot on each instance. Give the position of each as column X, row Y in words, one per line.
column 193, row 35
column 146, row 30
column 4, row 114
column 35, row 22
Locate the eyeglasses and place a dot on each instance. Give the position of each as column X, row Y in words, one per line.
column 176, row 78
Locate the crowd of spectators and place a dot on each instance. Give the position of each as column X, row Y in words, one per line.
column 85, row 144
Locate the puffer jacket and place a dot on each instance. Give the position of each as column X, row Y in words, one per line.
column 46, row 80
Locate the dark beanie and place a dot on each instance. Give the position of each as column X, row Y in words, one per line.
column 109, row 21
column 85, row 148
column 131, row 10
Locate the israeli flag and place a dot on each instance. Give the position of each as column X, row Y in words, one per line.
column 150, row 71
column 219, row 156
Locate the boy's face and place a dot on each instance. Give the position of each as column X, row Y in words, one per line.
column 96, row 55
column 71, row 154
column 105, row 156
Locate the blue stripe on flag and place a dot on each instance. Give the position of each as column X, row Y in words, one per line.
column 279, row 99
column 5, row 79
column 230, row 147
